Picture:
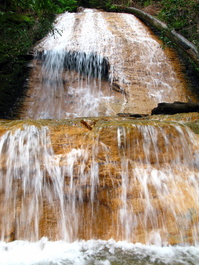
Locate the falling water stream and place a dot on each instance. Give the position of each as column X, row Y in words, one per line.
column 101, row 189
column 99, row 63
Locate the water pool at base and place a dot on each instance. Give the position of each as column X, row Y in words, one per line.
column 94, row 252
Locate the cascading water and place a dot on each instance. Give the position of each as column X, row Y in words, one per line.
column 100, row 190
column 121, row 180
column 100, row 63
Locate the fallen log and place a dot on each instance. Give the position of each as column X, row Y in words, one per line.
column 175, row 107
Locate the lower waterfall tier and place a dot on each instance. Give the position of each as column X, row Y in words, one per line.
column 101, row 178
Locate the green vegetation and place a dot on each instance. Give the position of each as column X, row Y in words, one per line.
column 180, row 15
column 39, row 7
column 183, row 17
column 24, row 22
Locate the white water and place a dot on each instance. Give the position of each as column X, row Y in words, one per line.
column 165, row 174
column 28, row 157
column 33, row 177
column 135, row 59
column 94, row 252
column 28, row 160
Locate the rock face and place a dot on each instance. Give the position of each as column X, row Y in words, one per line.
column 175, row 107
column 99, row 178
column 119, row 67
column 189, row 48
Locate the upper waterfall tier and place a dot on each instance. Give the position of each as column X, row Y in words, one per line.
column 99, row 63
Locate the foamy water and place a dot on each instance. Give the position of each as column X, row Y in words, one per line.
column 94, row 252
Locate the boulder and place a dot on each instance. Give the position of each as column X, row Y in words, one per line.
column 175, row 107
column 80, row 9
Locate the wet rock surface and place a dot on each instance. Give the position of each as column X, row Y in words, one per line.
column 98, row 64
column 108, row 177
column 129, row 177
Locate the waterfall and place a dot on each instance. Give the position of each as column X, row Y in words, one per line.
column 80, row 185
column 99, row 63
column 123, row 181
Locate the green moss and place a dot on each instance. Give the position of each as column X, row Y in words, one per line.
column 22, row 24
column 194, row 126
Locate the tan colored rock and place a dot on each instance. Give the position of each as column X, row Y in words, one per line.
column 96, row 185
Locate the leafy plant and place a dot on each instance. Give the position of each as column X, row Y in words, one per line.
column 19, row 28
column 182, row 16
